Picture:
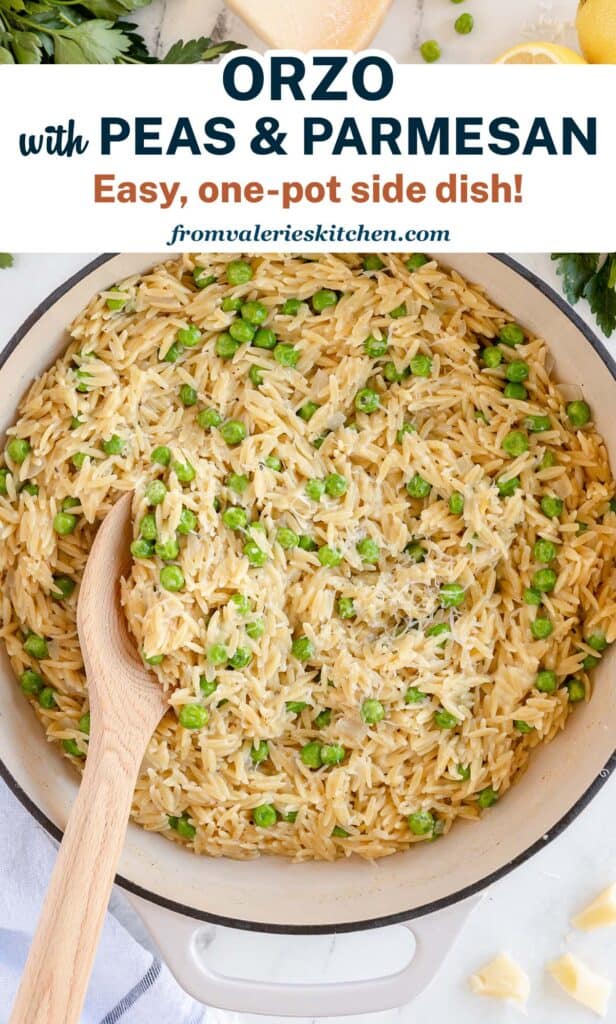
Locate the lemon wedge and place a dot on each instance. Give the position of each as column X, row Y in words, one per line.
column 540, row 53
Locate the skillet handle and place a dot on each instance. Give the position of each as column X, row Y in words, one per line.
column 183, row 943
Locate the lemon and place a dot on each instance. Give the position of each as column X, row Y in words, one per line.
column 542, row 53
column 596, row 28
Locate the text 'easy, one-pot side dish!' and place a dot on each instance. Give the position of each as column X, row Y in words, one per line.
column 373, row 545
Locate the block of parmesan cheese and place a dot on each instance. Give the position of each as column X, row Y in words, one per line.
column 582, row 984
column 313, row 24
column 601, row 913
column 503, row 979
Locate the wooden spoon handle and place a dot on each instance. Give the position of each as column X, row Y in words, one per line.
column 55, row 979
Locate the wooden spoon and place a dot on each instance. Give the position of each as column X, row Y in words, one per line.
column 126, row 704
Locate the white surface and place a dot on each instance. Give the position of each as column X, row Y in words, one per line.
column 526, row 914
column 498, row 25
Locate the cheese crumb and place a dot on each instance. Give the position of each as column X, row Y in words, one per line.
column 578, row 981
column 601, row 913
column 503, row 979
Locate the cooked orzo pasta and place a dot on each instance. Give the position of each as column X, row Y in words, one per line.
column 373, row 545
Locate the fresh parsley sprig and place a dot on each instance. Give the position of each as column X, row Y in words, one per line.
column 585, row 275
column 88, row 32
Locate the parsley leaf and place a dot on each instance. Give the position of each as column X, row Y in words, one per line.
column 92, row 42
column 196, row 50
column 576, row 269
column 6, row 260
column 584, row 276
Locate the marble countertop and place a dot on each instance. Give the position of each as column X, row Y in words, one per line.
column 498, row 25
column 526, row 913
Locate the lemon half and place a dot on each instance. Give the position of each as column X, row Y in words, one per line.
column 540, row 53
column 596, row 28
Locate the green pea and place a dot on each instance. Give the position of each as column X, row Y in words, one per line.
column 201, row 277
column 579, row 413
column 507, row 487
column 576, row 691
column 302, row 648
column 242, row 332
column 375, row 347
column 416, row 261
column 29, row 488
column 324, row 299
column 240, row 658
column 487, row 797
column 184, row 472
column 255, row 375
column 451, row 595
column 255, row 629
column 295, row 707
column 368, row 550
column 287, row 538
column 64, row 587
column 141, row 548
column 230, row 305
column 438, row 629
column 329, row 557
column 36, row 646
column 391, row 373
column 115, row 445
column 515, row 390
column 414, row 695
column 241, row 603
column 372, row 712
column 597, row 641
column 310, row 754
column 273, row 462
column 552, row 507
column 71, row 747
column 291, row 307
column 237, row 482
column 31, row 682
column 254, row 312
column 291, row 817
column 373, row 262
column 511, row 334
column 517, row 371
column 259, row 752
column 315, row 489
column 541, row 628
column 421, row 365
column 173, row 353
column 207, row 686
column 155, row 492
column 421, row 823
column 367, row 401
column 82, row 377
column 307, row 411
column 544, row 580
column 47, row 698
column 491, row 357
column 208, row 418
column 418, row 487
column 217, row 654
column 590, row 662
column 75, row 423
column 340, row 833
column 188, row 521
column 323, row 719
column 226, row 346
column 515, row 443
column 78, row 459
column 464, row 24
column 255, row 555
column 416, row 552
column 430, row 51
column 183, row 826
column 265, row 816
column 265, row 338
column 188, row 337
column 544, row 551
column 239, row 272
column 4, row 476
column 444, row 720
column 69, row 503
column 286, row 355
column 168, row 550
column 193, row 716
column 172, row 578
column 346, row 608
column 161, row 455
column 532, row 596
column 235, row 518
column 332, row 753
column 306, row 543
column 464, row 772
column 456, row 503
column 154, row 659
column 537, row 424
column 17, row 449
column 522, row 727
column 233, row 432
column 406, row 428
column 188, row 395
column 119, row 303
